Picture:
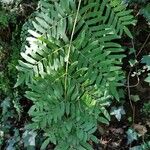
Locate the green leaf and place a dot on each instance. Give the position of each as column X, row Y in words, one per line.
column 80, row 134
column 146, row 60
column 145, row 11
column 126, row 30
column 117, row 112
column 67, row 108
column 105, row 112
column 147, row 79
column 94, row 139
column 42, row 22
column 113, row 91
column 20, row 80
column 131, row 136
column 135, row 98
column 5, row 105
column 35, row 34
column 45, row 144
column 103, row 120
column 29, row 138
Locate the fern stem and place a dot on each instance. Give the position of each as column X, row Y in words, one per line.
column 69, row 48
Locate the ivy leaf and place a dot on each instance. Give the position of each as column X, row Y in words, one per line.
column 132, row 62
column 135, row 98
column 146, row 60
column 11, row 143
column 147, row 79
column 29, row 138
column 13, row 140
column 117, row 112
column 131, row 136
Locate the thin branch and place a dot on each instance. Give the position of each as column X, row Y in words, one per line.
column 128, row 87
column 129, row 95
column 135, row 85
column 143, row 45
column 70, row 44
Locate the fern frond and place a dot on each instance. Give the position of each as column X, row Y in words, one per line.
column 71, row 66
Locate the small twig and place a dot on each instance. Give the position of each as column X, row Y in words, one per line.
column 143, row 45
column 128, row 87
column 135, row 85
column 129, row 96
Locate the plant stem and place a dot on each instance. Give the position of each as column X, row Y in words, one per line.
column 69, row 49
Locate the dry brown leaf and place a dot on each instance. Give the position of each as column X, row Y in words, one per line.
column 141, row 129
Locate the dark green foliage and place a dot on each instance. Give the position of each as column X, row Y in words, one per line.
column 7, row 17
column 145, row 11
column 3, row 19
column 136, row 1
column 144, row 7
column 72, row 68
column 144, row 146
column 146, row 109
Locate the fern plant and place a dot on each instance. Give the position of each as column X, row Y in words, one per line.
column 72, row 68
